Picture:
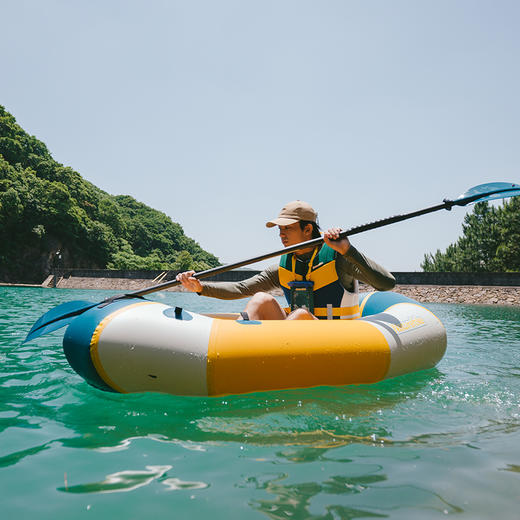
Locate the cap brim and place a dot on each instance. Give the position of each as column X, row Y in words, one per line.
column 281, row 222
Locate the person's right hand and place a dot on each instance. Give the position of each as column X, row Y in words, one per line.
column 189, row 282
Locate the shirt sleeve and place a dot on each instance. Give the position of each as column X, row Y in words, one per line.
column 355, row 265
column 264, row 281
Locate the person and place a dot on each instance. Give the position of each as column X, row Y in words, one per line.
column 324, row 277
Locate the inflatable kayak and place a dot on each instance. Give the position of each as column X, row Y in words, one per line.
column 144, row 346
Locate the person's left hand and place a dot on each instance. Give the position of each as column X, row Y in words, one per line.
column 331, row 236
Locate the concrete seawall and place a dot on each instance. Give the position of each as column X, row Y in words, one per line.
column 468, row 288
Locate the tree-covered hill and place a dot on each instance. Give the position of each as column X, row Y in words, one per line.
column 490, row 242
column 47, row 208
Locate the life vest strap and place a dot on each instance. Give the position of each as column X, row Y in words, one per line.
column 337, row 312
column 342, row 312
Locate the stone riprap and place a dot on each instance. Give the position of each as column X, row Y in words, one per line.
column 469, row 294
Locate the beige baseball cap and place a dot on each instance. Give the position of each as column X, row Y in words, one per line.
column 293, row 212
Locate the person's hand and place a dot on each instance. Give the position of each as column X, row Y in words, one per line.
column 331, row 236
column 189, row 282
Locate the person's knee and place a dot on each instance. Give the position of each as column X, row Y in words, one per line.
column 263, row 306
column 262, row 299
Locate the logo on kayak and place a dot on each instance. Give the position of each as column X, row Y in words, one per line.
column 412, row 324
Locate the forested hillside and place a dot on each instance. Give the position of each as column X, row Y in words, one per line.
column 490, row 242
column 49, row 214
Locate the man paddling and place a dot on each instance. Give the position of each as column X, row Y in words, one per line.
column 318, row 282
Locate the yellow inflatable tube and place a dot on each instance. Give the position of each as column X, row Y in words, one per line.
column 136, row 346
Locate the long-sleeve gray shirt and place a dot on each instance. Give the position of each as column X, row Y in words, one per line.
column 354, row 265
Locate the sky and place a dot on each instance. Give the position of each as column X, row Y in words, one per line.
column 217, row 113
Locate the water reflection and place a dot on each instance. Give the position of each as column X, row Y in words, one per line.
column 121, row 481
column 323, row 417
column 129, row 480
column 361, row 494
column 515, row 468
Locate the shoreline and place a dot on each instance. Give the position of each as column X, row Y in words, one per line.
column 465, row 294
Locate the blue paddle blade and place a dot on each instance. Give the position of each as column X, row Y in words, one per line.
column 58, row 317
column 45, row 329
column 491, row 191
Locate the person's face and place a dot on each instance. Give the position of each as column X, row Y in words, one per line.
column 294, row 234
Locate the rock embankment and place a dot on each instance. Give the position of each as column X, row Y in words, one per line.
column 468, row 294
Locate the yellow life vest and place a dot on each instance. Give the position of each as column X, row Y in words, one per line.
column 331, row 299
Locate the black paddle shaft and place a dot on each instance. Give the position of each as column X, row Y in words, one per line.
column 447, row 204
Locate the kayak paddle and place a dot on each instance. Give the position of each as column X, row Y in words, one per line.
column 63, row 314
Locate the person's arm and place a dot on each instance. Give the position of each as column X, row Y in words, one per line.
column 353, row 264
column 264, row 281
column 362, row 268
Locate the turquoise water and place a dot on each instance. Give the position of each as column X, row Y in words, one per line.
column 440, row 442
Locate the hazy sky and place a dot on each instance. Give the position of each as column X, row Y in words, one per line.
column 217, row 112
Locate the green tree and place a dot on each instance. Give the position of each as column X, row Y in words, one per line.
column 184, row 261
column 490, row 242
column 508, row 251
column 46, row 206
